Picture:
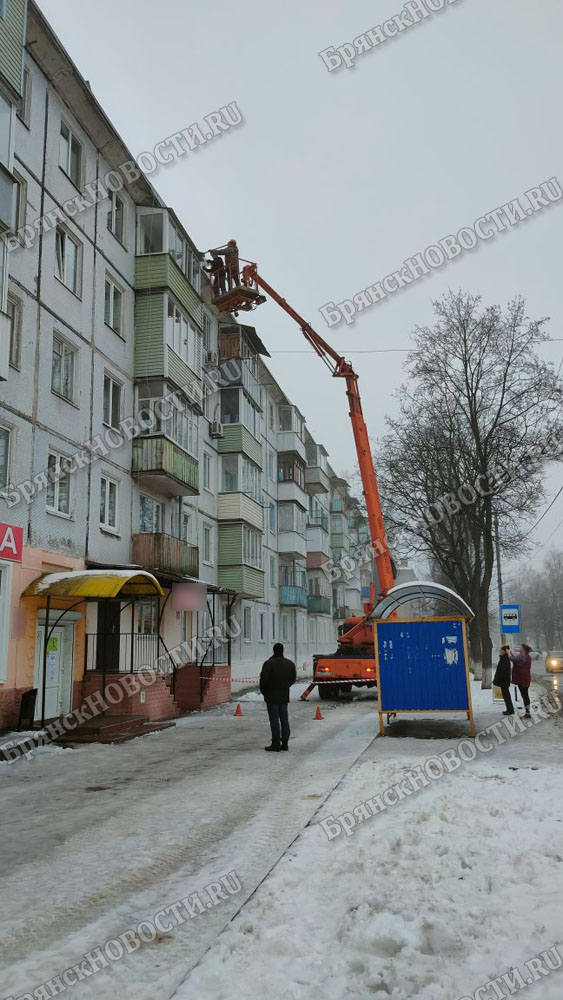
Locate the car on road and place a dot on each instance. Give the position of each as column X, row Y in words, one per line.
column 554, row 661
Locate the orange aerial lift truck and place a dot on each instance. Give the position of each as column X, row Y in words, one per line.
column 353, row 663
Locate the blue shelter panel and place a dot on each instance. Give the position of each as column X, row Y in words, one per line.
column 422, row 666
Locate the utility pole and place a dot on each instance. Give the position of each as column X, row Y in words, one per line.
column 499, row 576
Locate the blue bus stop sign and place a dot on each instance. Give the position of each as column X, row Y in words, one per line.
column 509, row 618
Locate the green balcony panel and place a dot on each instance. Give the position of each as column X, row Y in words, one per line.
column 158, row 271
column 319, row 605
column 237, row 438
column 245, row 580
column 165, row 466
column 149, row 336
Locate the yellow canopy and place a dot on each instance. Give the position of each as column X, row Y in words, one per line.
column 94, row 583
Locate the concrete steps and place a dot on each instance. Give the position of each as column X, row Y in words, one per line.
column 112, row 729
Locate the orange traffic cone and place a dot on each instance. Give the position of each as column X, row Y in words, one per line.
column 318, row 714
column 238, row 710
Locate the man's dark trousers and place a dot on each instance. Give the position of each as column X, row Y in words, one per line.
column 279, row 718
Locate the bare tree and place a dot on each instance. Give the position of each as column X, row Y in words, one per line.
column 475, row 417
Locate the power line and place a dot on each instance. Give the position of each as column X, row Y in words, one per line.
column 382, row 350
column 534, row 526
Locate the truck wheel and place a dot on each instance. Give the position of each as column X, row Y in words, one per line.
column 346, row 688
column 328, row 692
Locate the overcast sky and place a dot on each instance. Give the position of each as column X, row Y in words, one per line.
column 333, row 179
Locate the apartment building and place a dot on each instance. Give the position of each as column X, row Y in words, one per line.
column 216, row 487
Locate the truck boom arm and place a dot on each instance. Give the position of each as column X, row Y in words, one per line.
column 340, row 368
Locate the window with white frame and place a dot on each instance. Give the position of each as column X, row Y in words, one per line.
column 20, row 201
column 4, row 456
column 151, row 516
column 71, row 154
column 68, row 260
column 247, row 624
column 24, row 110
column 147, row 618
column 273, row 625
column 113, row 314
column 206, row 471
column 271, row 466
column 181, row 334
column 209, row 327
column 284, row 628
column 112, row 401
column 116, row 216
column 58, row 486
column 63, row 368
column 251, row 547
column 178, row 248
column 109, row 494
column 262, row 621
column 273, row 572
column 180, row 424
column 15, row 312
column 207, row 555
column 272, row 517
column 150, row 232
column 6, row 127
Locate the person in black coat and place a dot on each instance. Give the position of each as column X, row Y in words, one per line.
column 502, row 678
column 276, row 678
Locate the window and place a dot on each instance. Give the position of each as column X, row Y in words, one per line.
column 262, row 620
column 207, row 548
column 20, row 201
column 206, row 471
column 251, row 479
column 272, row 417
column 116, row 216
column 271, row 467
column 58, row 488
column 291, row 470
column 151, row 520
column 272, row 517
column 108, row 503
column 247, row 624
column 151, row 233
column 147, row 618
column 2, row 8
column 178, row 248
column 4, row 457
column 229, row 474
column 285, row 418
column 273, row 575
column 181, row 336
column 5, row 131
column 5, row 573
column 114, row 307
column 180, row 424
column 15, row 311
column 251, row 547
column 273, row 626
column 208, row 332
column 63, row 369
column 70, row 155
column 25, row 107
column 291, row 517
column 112, row 401
column 68, row 261
column 230, row 406
column 284, row 628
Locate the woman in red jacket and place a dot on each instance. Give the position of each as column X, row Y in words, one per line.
column 522, row 674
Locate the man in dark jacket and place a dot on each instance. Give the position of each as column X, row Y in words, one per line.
column 276, row 678
column 502, row 679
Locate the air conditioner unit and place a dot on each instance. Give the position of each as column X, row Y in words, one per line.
column 216, row 429
column 211, row 359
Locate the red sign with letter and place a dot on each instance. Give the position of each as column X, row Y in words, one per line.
column 11, row 542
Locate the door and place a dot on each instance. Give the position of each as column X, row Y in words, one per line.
column 58, row 682
column 108, row 639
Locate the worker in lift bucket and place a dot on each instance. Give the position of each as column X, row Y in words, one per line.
column 216, row 270
column 232, row 262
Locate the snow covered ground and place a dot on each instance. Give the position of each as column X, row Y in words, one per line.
column 451, row 887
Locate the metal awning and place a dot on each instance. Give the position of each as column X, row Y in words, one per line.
column 415, row 590
column 96, row 584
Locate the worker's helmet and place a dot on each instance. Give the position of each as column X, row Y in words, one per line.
column 232, row 243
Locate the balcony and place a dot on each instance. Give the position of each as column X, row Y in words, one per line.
column 291, row 441
column 291, row 543
column 239, row 507
column 340, row 541
column 319, row 605
column 163, row 466
column 316, row 480
column 293, row 597
column 165, row 554
column 342, row 612
column 317, row 541
column 289, row 491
